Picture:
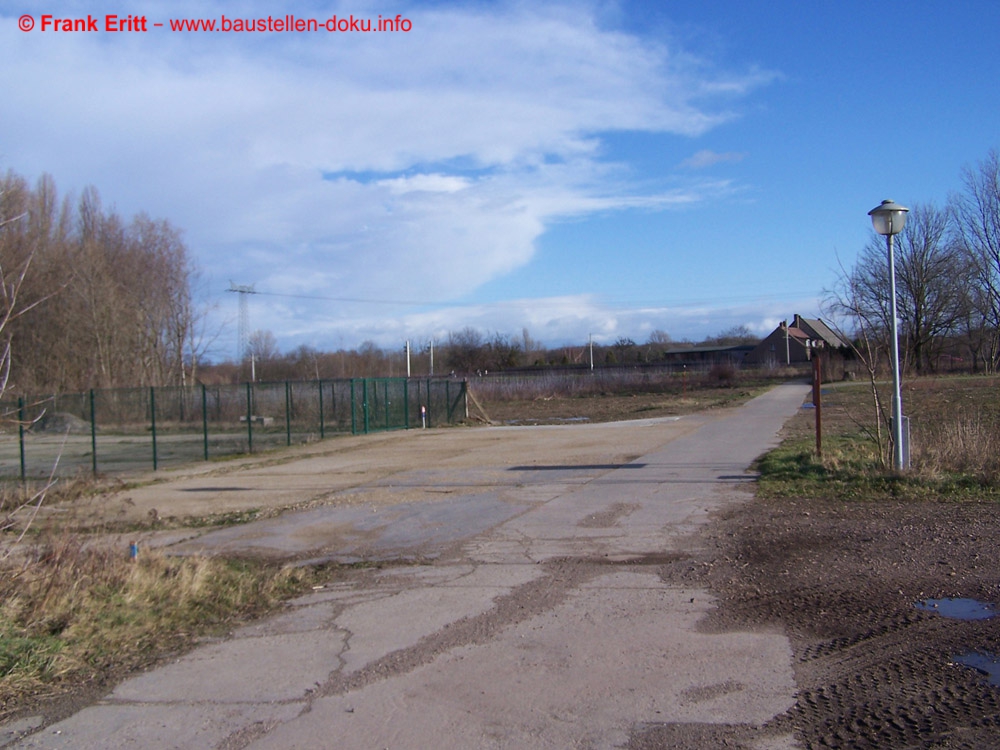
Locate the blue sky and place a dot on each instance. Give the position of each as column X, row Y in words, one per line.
column 604, row 168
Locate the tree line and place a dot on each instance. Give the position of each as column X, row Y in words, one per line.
column 464, row 352
column 947, row 261
column 91, row 299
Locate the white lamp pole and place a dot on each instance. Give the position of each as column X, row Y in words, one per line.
column 889, row 218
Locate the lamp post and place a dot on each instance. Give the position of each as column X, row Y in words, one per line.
column 889, row 218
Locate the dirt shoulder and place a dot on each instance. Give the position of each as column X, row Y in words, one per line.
column 841, row 579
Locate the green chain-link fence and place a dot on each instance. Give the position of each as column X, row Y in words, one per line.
column 111, row 431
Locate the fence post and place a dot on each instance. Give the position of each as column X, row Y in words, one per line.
column 385, row 405
column 152, row 420
column 93, row 432
column 204, row 418
column 288, row 414
column 249, row 418
column 322, row 430
column 354, row 419
column 364, row 401
column 20, row 433
column 406, row 402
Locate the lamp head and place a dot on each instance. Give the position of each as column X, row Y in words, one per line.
column 889, row 217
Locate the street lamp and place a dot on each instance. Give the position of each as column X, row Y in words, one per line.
column 889, row 218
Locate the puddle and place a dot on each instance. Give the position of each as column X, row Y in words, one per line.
column 959, row 609
column 984, row 663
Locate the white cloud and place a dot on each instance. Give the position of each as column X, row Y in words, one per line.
column 411, row 166
column 706, row 158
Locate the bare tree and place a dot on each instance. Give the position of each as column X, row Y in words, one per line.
column 465, row 351
column 929, row 273
column 504, row 352
column 659, row 338
column 977, row 225
column 263, row 350
column 15, row 261
column 125, row 316
column 735, row 336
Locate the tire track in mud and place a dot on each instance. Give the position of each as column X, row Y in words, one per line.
column 872, row 671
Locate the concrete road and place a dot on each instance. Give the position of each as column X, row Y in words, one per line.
column 531, row 616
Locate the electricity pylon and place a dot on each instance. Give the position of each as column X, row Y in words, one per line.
column 244, row 328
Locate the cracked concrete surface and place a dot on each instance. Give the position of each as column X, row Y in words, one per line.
column 540, row 622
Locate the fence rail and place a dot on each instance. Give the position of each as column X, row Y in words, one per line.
column 111, row 431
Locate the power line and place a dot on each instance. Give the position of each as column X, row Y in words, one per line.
column 619, row 304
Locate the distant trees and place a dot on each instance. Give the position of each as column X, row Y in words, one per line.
column 118, row 308
column 734, row 336
column 469, row 351
column 659, row 338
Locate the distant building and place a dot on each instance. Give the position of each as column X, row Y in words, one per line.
column 795, row 343
column 710, row 355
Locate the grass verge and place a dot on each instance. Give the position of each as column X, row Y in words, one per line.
column 954, row 429
column 74, row 614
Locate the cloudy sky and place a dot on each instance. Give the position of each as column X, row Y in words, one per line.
column 573, row 168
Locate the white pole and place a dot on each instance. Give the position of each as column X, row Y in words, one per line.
column 897, row 399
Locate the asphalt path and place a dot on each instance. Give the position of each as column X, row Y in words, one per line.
column 530, row 614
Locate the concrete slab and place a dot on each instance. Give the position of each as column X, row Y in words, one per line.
column 265, row 669
column 622, row 650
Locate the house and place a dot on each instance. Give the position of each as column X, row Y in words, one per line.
column 795, row 343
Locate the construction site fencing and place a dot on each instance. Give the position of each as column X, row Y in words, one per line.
column 122, row 430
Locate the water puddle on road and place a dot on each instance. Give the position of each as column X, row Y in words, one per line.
column 983, row 662
column 959, row 609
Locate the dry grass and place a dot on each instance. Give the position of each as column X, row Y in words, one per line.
column 609, row 396
column 74, row 612
column 954, row 444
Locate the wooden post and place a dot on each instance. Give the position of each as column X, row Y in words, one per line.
column 818, row 401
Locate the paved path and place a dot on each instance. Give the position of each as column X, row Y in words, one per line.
column 535, row 619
